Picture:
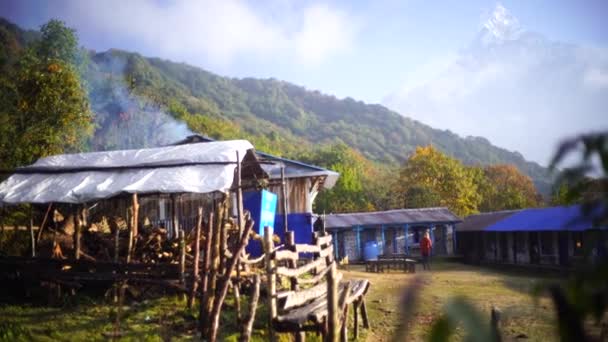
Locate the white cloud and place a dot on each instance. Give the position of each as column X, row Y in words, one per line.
column 216, row 31
column 521, row 91
column 324, row 32
column 597, row 77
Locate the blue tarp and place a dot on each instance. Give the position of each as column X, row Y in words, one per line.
column 563, row 218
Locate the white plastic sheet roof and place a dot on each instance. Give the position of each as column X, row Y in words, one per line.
column 83, row 177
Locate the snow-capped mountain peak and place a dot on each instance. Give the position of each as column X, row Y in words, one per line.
column 500, row 26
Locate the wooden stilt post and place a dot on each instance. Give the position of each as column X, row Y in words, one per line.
column 271, row 281
column 182, row 256
column 248, row 327
column 31, row 229
column 204, row 302
column 116, row 242
column 174, row 219
column 223, row 289
column 284, row 193
column 77, row 232
column 333, row 320
column 135, row 217
column 239, row 201
column 44, row 221
column 197, row 256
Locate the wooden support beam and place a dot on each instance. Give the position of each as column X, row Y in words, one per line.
column 135, row 215
column 333, row 320
column 44, row 221
column 204, row 301
column 248, row 327
column 31, row 230
column 223, row 289
column 182, row 256
column 239, row 203
column 77, row 232
column 284, row 194
column 271, row 281
column 116, row 242
column 197, row 256
column 174, row 219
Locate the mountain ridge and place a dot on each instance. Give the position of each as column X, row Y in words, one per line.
column 279, row 111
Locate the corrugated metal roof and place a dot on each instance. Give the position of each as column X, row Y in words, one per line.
column 568, row 218
column 397, row 216
column 479, row 222
column 293, row 168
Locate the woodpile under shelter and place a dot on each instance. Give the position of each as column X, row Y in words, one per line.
column 172, row 181
column 552, row 237
column 393, row 232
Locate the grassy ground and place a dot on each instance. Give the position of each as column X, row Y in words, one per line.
column 509, row 291
column 166, row 319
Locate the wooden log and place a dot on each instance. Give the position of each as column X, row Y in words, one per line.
column 174, row 219
column 248, row 327
column 135, row 217
column 284, row 193
column 223, row 290
column 333, row 321
column 296, row 272
column 197, row 256
column 364, row 314
column 237, row 301
column 31, row 230
column 77, row 233
column 271, row 281
column 290, row 241
column 356, row 319
column 204, row 302
column 239, row 201
column 44, row 221
column 182, row 256
column 297, row 298
column 130, row 244
column 344, row 330
column 304, row 248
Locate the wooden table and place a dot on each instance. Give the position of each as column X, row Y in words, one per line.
column 392, row 261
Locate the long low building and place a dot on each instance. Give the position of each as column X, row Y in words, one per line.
column 554, row 236
column 393, row 232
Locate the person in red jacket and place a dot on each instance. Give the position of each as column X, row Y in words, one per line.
column 425, row 250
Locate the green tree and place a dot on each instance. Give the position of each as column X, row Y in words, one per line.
column 442, row 176
column 348, row 194
column 58, row 43
column 421, row 197
column 44, row 105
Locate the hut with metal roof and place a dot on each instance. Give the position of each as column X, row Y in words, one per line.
column 554, row 236
column 302, row 183
column 394, row 231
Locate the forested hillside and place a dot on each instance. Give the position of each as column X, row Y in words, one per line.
column 135, row 99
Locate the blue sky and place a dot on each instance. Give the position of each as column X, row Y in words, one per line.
column 375, row 51
column 376, row 47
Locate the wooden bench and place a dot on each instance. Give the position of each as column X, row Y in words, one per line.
column 306, row 291
column 391, row 261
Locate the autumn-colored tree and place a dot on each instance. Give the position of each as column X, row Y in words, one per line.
column 443, row 177
column 507, row 188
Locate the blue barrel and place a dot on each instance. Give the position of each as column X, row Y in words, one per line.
column 370, row 251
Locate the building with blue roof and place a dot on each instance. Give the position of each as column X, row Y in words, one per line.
column 557, row 236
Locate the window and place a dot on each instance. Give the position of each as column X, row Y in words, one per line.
column 546, row 243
